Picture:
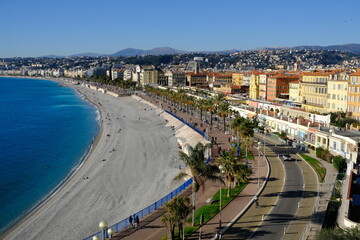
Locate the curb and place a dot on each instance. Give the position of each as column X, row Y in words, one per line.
column 242, row 212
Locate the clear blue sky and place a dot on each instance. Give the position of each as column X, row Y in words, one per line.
column 64, row 27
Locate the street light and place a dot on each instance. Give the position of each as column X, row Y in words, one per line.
column 222, row 171
column 95, row 238
column 259, row 145
column 103, row 225
column 110, row 232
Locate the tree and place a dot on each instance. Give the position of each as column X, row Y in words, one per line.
column 176, row 212
column 232, row 167
column 339, row 163
column 243, row 128
column 223, row 111
column 201, row 104
column 247, row 142
column 338, row 234
column 244, row 173
column 199, row 171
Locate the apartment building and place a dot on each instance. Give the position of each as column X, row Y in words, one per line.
column 354, row 95
column 337, row 93
column 314, row 90
column 148, row 75
column 294, row 91
column 254, row 85
column 278, row 85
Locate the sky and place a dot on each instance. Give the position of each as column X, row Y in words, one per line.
column 65, row 27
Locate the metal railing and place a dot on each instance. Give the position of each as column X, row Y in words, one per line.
column 149, row 209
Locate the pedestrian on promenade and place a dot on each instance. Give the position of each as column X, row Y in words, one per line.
column 137, row 221
column 131, row 222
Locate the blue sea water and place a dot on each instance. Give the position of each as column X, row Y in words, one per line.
column 45, row 130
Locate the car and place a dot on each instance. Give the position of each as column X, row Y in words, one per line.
column 286, row 157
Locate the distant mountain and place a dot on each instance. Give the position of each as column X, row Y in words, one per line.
column 230, row 51
column 87, row 55
column 51, row 56
column 128, row 52
column 352, row 47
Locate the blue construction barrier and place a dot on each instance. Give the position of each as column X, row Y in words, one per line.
column 142, row 213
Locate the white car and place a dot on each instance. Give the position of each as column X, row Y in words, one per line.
column 286, row 157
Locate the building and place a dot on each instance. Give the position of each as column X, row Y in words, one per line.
column 148, row 75
column 278, row 86
column 294, row 91
column 337, row 94
column 197, row 80
column 254, row 85
column 314, row 90
column 354, row 95
column 176, row 78
column 162, row 79
column 237, row 79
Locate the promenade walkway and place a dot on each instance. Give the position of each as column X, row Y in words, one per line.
column 309, row 216
column 151, row 226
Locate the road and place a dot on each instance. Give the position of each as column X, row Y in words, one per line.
column 279, row 203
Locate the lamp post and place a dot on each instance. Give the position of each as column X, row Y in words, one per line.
column 259, row 145
column 103, row 225
column 222, row 170
column 110, row 232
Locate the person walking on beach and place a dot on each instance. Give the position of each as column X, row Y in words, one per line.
column 137, row 221
column 131, row 222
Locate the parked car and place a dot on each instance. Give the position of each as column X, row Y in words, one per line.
column 286, row 157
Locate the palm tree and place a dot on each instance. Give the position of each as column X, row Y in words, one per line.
column 199, row 171
column 244, row 173
column 247, row 128
column 224, row 111
column 201, row 104
column 235, row 125
column 231, row 166
column 247, row 142
column 210, row 108
column 176, row 212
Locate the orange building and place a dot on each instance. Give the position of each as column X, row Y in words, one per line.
column 278, row 86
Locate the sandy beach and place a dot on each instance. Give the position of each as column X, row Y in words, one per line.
column 131, row 165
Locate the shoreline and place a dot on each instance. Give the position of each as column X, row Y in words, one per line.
column 86, row 166
column 92, row 146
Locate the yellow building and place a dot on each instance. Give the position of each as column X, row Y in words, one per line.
column 294, row 91
column 337, row 94
column 148, row 75
column 354, row 95
column 314, row 90
column 254, row 85
column 237, row 79
column 197, row 80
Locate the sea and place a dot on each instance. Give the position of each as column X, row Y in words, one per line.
column 45, row 132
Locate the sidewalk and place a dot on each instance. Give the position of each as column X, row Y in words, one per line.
column 324, row 190
column 153, row 228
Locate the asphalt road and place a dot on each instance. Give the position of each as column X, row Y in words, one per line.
column 283, row 213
